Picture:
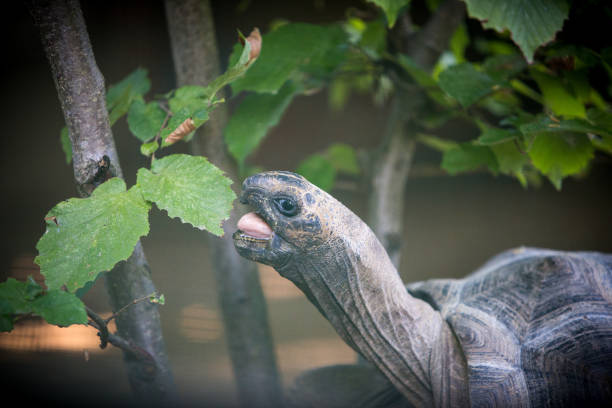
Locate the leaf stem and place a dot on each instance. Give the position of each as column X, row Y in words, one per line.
column 133, row 302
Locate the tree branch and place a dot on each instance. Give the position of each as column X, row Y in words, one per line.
column 81, row 92
column 391, row 166
column 243, row 306
column 106, row 337
column 426, row 45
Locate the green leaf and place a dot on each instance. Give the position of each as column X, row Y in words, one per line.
column 192, row 97
column 459, row 42
column 119, row 96
column 560, row 154
column 60, row 308
column 55, row 306
column 189, row 187
column 531, row 23
column 136, row 83
column 545, row 123
column 391, row 9
column 557, row 97
column 237, row 69
column 343, row 158
column 147, row 149
column 17, row 296
column 86, row 236
column 437, row 143
column 503, row 67
column 66, row 144
column 288, row 50
column 511, row 161
column 466, row 84
column 467, row 157
column 319, row 170
column 603, row 120
column 145, row 120
column 490, row 135
column 418, row 74
column 253, row 118
column 6, row 323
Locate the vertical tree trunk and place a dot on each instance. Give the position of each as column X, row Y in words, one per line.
column 81, row 92
column 391, row 166
column 243, row 305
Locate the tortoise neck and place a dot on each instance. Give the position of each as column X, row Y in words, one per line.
column 363, row 297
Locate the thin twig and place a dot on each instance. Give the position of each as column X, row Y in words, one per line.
column 133, row 302
column 106, row 337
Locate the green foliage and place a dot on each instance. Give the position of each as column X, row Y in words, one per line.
column 557, row 97
column 86, row 236
column 391, row 8
column 467, row 157
column 561, row 154
column 253, row 118
column 66, row 144
column 291, row 51
column 119, row 97
column 145, row 119
column 188, row 187
column 322, row 169
column 466, row 84
column 23, row 298
column 319, row 170
column 531, row 23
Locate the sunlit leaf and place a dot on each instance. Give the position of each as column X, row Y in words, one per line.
column 557, row 97
column 560, row 154
column 190, row 188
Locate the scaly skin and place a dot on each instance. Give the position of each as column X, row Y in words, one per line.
column 531, row 328
column 336, row 260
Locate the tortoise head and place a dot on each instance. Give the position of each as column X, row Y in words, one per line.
column 291, row 217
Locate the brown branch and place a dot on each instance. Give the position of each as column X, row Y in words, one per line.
column 243, row 306
column 81, row 91
column 391, row 164
column 106, row 337
column 426, row 45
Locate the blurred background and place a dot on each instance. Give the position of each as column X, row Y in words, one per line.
column 453, row 224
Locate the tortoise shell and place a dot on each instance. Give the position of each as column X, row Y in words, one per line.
column 535, row 326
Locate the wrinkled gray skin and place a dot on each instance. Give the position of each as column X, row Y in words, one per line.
column 530, row 328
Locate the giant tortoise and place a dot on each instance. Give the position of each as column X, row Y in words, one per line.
column 530, row 328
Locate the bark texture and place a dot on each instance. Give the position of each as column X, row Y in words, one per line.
column 81, row 92
column 241, row 299
column 391, row 165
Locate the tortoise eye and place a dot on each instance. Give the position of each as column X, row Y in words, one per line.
column 286, row 206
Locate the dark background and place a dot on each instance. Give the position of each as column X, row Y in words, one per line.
column 452, row 224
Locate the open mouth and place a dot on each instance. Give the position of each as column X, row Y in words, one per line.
column 253, row 231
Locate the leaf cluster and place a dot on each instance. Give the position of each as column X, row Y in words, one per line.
column 87, row 236
column 533, row 106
